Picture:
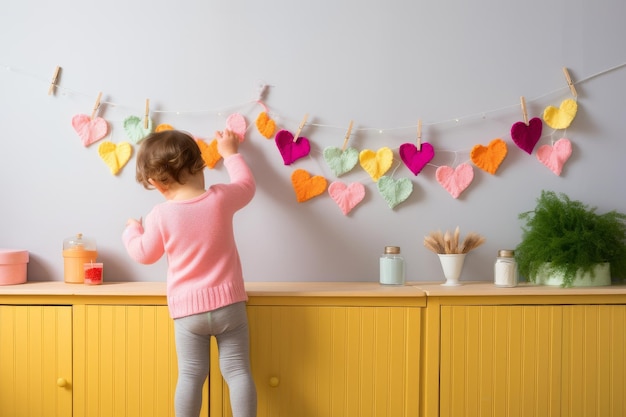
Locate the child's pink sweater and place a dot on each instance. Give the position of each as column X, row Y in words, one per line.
column 204, row 270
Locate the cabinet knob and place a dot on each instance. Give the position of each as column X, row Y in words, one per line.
column 62, row 382
column 274, row 381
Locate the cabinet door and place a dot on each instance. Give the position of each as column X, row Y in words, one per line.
column 35, row 361
column 125, row 362
column 594, row 361
column 500, row 361
column 327, row 361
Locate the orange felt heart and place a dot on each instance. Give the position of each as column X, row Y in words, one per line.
column 265, row 125
column 307, row 186
column 562, row 117
column 163, row 127
column 488, row 158
column 376, row 163
column 115, row 156
column 209, row 152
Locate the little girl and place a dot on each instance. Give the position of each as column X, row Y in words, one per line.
column 205, row 289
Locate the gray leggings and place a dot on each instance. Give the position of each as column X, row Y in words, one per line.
column 229, row 325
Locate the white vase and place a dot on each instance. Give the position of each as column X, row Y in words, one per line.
column 452, row 265
column 602, row 276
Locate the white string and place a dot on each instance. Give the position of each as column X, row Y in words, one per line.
column 262, row 90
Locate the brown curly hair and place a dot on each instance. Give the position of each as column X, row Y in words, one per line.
column 168, row 156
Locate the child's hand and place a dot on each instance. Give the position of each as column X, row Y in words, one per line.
column 227, row 143
column 133, row 222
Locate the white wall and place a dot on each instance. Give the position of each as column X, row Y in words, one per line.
column 383, row 64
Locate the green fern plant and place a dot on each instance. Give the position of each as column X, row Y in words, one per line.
column 571, row 236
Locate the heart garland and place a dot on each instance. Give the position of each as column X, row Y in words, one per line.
column 90, row 130
column 346, row 196
column 209, row 152
column 341, row 161
column 416, row 159
column 115, row 156
column 237, row 124
column 455, row 180
column 554, row 157
column 265, row 125
column 394, row 191
column 562, row 117
column 306, row 186
column 376, row 164
column 289, row 149
column 525, row 135
column 135, row 130
column 488, row 158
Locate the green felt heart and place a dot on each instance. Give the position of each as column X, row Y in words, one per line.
column 394, row 191
column 135, row 129
column 341, row 161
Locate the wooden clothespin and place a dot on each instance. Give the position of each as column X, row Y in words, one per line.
column 419, row 134
column 524, row 112
column 53, row 83
column 570, row 84
column 302, row 123
column 147, row 114
column 347, row 138
column 96, row 106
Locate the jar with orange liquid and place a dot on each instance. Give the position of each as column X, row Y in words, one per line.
column 77, row 251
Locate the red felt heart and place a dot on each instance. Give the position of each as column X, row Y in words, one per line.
column 89, row 130
column 289, row 149
column 527, row 136
column 416, row 159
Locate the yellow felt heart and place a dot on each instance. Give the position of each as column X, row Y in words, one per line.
column 307, row 186
column 562, row 117
column 376, row 163
column 265, row 125
column 489, row 158
column 209, row 152
column 115, row 156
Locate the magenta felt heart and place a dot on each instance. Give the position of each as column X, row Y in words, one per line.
column 416, row 159
column 455, row 180
column 290, row 150
column 89, row 130
column 526, row 137
column 554, row 157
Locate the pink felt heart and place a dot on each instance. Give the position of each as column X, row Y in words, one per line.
column 554, row 157
column 527, row 136
column 346, row 196
column 455, row 180
column 416, row 159
column 237, row 124
column 290, row 150
column 89, row 130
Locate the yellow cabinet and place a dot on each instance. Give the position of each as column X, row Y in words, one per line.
column 125, row 361
column 35, row 361
column 533, row 360
column 330, row 361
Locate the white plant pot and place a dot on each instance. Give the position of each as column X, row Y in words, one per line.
column 452, row 265
column 602, row 276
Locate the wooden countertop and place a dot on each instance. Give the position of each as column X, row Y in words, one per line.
column 486, row 288
column 313, row 289
column 267, row 289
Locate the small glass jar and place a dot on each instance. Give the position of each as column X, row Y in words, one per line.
column 392, row 266
column 505, row 269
